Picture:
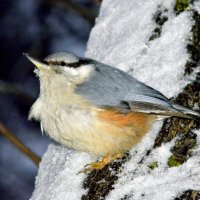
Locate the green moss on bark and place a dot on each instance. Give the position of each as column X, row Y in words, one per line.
column 181, row 5
column 173, row 162
column 153, row 165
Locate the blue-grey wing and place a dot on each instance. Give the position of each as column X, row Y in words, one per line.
column 111, row 87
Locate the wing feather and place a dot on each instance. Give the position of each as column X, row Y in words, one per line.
column 112, row 88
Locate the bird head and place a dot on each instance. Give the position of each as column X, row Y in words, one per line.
column 62, row 69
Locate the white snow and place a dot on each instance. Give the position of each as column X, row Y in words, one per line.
column 139, row 182
column 58, row 176
column 121, row 38
column 197, row 5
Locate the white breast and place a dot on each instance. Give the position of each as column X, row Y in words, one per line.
column 70, row 120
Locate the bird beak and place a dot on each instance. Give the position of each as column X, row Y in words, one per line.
column 37, row 63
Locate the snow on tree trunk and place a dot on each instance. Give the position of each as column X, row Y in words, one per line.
column 158, row 42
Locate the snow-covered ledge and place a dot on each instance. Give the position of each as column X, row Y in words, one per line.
column 124, row 36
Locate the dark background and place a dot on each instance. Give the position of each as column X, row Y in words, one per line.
column 38, row 27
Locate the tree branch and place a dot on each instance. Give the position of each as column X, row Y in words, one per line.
column 14, row 140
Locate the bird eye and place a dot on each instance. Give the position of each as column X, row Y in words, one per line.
column 63, row 63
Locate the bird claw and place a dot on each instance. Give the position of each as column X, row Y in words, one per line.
column 93, row 166
column 100, row 164
column 97, row 165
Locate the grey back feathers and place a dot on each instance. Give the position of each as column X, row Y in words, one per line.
column 110, row 87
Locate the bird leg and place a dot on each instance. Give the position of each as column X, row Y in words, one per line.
column 102, row 163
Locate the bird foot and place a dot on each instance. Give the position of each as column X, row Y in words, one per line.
column 100, row 164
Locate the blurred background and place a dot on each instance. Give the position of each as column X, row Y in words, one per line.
column 37, row 27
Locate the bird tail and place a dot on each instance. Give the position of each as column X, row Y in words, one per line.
column 186, row 113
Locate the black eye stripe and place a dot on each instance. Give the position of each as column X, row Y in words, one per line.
column 72, row 65
column 62, row 63
column 79, row 63
column 45, row 62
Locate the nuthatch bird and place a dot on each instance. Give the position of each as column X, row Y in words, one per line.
column 93, row 107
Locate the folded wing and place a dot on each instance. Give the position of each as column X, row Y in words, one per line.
column 112, row 88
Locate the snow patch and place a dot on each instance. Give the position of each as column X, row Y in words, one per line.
column 57, row 177
column 162, row 182
column 196, row 6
